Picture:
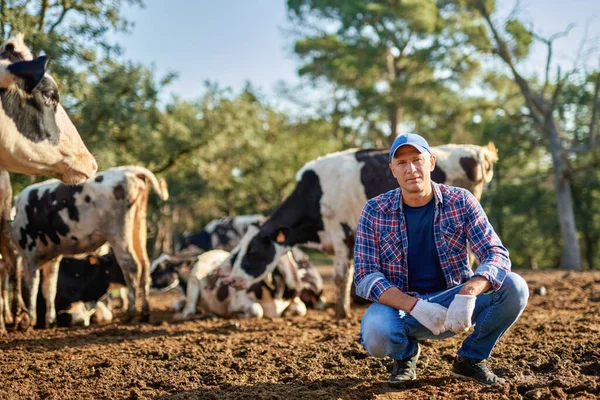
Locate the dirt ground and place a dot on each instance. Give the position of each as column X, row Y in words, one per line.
column 552, row 352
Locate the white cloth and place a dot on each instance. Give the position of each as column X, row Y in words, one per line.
column 431, row 315
column 460, row 312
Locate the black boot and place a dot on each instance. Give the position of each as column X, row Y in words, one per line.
column 476, row 370
column 405, row 370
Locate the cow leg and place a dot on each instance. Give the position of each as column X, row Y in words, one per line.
column 123, row 298
column 19, row 308
column 49, row 284
column 178, row 304
column 192, row 294
column 3, row 303
column 342, row 276
column 31, row 280
column 131, row 273
column 8, row 317
column 103, row 313
column 139, row 237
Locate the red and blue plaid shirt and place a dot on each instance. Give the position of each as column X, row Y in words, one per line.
column 380, row 251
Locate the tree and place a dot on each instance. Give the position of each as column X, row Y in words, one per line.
column 398, row 62
column 541, row 102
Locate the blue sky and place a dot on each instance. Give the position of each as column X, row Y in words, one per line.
column 234, row 41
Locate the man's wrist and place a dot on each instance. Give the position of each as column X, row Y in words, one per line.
column 413, row 306
column 477, row 285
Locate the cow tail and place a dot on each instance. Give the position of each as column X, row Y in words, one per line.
column 159, row 185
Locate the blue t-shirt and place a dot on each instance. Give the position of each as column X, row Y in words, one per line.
column 425, row 273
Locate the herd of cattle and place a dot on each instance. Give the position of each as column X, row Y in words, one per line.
column 86, row 231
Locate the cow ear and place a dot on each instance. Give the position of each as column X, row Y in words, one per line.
column 93, row 260
column 31, row 72
column 281, row 236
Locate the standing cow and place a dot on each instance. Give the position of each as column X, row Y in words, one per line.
column 53, row 219
column 36, row 138
column 323, row 209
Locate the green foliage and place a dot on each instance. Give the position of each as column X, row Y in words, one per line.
column 247, row 160
column 521, row 38
column 396, row 60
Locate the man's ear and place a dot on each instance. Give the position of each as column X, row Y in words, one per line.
column 432, row 157
column 281, row 235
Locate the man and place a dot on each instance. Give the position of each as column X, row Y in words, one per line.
column 411, row 260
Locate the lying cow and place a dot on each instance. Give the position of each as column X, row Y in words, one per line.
column 323, row 209
column 82, row 283
column 223, row 233
column 53, row 219
column 294, row 280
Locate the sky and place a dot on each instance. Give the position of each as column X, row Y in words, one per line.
column 234, row 41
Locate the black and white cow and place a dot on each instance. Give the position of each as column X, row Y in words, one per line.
column 36, row 137
column 223, row 233
column 324, row 208
column 53, row 219
column 86, row 281
column 294, row 285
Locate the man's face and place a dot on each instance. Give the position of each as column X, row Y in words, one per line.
column 412, row 169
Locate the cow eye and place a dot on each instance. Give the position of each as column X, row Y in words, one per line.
column 50, row 98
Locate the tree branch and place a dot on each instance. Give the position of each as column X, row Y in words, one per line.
column 535, row 103
column 2, row 8
column 42, row 16
column 65, row 8
column 548, row 42
column 173, row 158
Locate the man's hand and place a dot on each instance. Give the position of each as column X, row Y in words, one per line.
column 460, row 312
column 430, row 315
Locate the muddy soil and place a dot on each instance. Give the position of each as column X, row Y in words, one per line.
column 552, row 352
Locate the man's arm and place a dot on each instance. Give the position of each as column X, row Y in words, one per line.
column 394, row 297
column 485, row 243
column 368, row 277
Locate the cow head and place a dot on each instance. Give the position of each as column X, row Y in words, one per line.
column 312, row 283
column 163, row 273
column 257, row 256
column 36, row 135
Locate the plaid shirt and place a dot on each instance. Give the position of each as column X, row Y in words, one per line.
column 380, row 251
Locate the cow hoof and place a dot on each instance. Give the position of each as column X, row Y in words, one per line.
column 23, row 322
column 178, row 317
column 341, row 314
column 3, row 332
column 146, row 317
column 128, row 318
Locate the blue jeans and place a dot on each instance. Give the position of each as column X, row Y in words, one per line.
column 385, row 331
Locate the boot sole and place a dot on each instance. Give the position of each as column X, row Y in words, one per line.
column 457, row 375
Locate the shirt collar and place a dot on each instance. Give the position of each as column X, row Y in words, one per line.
column 437, row 194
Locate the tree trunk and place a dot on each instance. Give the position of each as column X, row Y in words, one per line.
column 590, row 249
column 164, row 234
column 571, row 255
column 394, row 114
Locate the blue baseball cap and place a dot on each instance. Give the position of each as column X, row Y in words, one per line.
column 410, row 139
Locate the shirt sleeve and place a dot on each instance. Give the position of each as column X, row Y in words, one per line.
column 369, row 280
column 485, row 243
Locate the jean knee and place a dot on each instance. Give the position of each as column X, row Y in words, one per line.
column 376, row 339
column 516, row 289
